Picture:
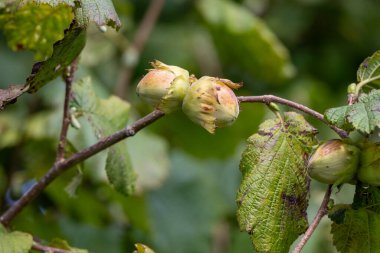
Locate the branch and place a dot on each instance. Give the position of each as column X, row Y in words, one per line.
column 61, row 166
column 42, row 248
column 143, row 31
column 322, row 211
column 68, row 77
column 270, row 98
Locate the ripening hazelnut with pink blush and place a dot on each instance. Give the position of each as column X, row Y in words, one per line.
column 164, row 87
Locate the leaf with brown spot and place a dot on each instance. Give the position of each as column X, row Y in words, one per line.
column 273, row 194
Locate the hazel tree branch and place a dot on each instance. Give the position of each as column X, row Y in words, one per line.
column 60, row 166
column 322, row 211
column 142, row 34
column 69, row 78
column 270, row 98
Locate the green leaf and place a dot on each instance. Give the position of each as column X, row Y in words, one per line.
column 198, row 195
column 355, row 230
column 106, row 117
column 242, row 39
column 150, row 159
column 363, row 116
column 62, row 244
column 65, row 52
column 273, row 194
column 356, row 227
column 37, row 27
column 367, row 197
column 15, row 242
column 338, row 117
column 370, row 69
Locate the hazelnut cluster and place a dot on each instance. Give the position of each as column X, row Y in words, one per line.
column 208, row 101
column 337, row 162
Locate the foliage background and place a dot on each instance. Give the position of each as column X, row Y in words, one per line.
column 189, row 179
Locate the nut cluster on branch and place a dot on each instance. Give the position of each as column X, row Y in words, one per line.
column 209, row 101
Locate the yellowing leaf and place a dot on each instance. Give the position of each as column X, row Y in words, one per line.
column 141, row 248
column 273, row 194
column 15, row 242
column 62, row 244
column 56, row 2
column 37, row 27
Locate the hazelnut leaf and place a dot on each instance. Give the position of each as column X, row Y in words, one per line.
column 107, row 116
column 370, row 69
column 17, row 242
column 64, row 53
column 101, row 12
column 355, row 230
column 253, row 47
column 363, row 116
column 36, row 27
column 272, row 198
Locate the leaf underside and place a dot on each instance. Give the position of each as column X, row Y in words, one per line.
column 107, row 116
column 273, row 194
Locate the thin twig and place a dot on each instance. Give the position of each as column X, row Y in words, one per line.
column 69, row 78
column 39, row 247
column 270, row 98
column 143, row 31
column 63, row 165
column 322, row 211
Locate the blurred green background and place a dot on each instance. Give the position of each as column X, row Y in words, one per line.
column 304, row 50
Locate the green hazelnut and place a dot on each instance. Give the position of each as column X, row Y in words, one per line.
column 334, row 162
column 211, row 103
column 369, row 171
column 164, row 87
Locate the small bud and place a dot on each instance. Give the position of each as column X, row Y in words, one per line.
column 211, row 103
column 164, row 87
column 369, row 171
column 330, row 204
column 334, row 162
column 73, row 118
column 351, row 89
